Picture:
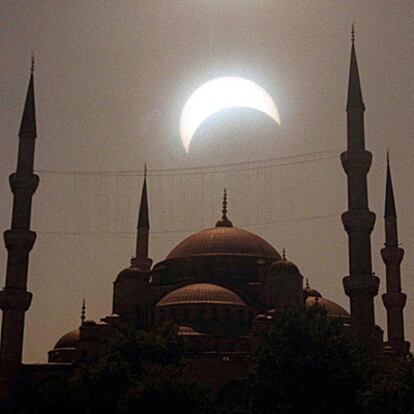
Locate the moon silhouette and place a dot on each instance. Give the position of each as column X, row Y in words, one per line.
column 219, row 94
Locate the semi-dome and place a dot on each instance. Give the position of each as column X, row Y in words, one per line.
column 69, row 340
column 201, row 293
column 221, row 241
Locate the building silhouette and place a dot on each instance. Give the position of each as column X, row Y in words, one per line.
column 221, row 286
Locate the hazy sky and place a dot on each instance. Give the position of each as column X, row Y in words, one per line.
column 111, row 79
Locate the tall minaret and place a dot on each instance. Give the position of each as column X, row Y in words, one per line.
column 141, row 259
column 128, row 299
column 361, row 285
column 19, row 240
column 392, row 255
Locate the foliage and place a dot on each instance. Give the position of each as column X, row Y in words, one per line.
column 391, row 389
column 166, row 390
column 143, row 371
column 308, row 363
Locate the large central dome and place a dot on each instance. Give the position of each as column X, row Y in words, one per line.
column 220, row 241
column 223, row 240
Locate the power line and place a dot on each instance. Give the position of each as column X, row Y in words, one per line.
column 230, row 167
column 188, row 230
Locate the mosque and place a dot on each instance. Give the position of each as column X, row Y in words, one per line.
column 221, row 286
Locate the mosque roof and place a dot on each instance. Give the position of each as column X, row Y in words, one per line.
column 285, row 266
column 69, row 340
column 224, row 239
column 309, row 291
column 201, row 293
column 332, row 308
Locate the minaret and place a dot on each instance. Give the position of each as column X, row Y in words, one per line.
column 128, row 298
column 19, row 240
column 392, row 255
column 361, row 285
column 141, row 259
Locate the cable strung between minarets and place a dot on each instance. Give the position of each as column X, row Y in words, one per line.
column 19, row 240
column 361, row 285
column 392, row 255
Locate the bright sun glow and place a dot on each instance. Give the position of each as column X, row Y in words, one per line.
column 219, row 94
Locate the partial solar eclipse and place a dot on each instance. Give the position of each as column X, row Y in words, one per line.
column 219, row 94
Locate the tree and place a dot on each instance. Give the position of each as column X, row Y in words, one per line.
column 307, row 363
column 142, row 372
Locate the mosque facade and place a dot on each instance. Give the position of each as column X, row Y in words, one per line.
column 220, row 286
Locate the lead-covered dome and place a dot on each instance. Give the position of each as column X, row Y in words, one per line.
column 313, row 297
column 201, row 293
column 221, row 241
column 69, row 340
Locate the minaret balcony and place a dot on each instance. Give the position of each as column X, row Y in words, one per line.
column 361, row 285
column 394, row 300
column 392, row 255
column 23, row 183
column 19, row 239
column 358, row 221
column 356, row 163
column 15, row 299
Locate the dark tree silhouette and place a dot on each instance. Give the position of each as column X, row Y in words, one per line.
column 143, row 372
column 308, row 363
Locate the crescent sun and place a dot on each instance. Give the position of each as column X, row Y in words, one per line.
column 219, row 94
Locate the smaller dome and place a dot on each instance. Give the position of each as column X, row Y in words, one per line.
column 132, row 273
column 68, row 340
column 331, row 308
column 89, row 322
column 285, row 266
column 309, row 291
column 198, row 293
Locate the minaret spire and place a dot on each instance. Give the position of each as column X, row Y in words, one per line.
column 392, row 255
column 141, row 259
column 83, row 312
column 19, row 240
column 361, row 285
column 354, row 84
column 390, row 210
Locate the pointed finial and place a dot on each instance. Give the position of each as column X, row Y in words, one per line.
column 284, row 254
column 388, row 157
column 83, row 313
column 224, row 209
column 353, row 33
column 145, row 170
column 307, row 284
column 32, row 64
column 224, row 221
